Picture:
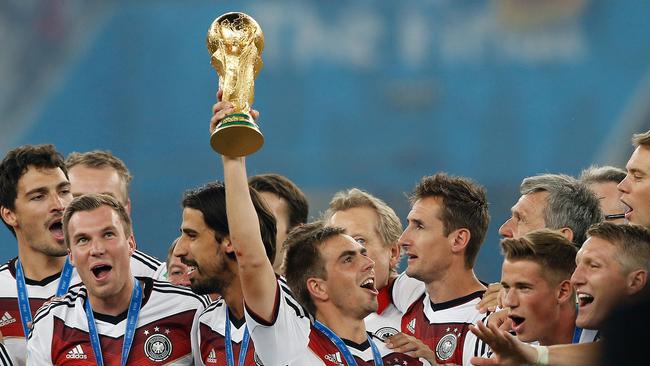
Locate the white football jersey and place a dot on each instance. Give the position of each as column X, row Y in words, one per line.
column 291, row 339
column 443, row 327
column 166, row 330
column 589, row 335
column 386, row 321
column 212, row 336
column 144, row 265
column 14, row 349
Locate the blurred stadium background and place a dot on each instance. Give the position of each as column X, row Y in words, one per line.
column 369, row 94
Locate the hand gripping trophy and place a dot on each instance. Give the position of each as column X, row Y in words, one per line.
column 235, row 42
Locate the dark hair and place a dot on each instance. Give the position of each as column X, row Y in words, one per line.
column 554, row 253
column 632, row 242
column 210, row 199
column 15, row 165
column 570, row 203
column 287, row 190
column 89, row 202
column 464, row 205
column 303, row 259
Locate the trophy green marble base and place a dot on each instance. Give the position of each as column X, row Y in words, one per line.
column 236, row 135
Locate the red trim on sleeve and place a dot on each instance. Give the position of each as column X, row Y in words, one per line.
column 274, row 314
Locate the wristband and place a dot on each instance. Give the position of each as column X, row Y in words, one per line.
column 542, row 356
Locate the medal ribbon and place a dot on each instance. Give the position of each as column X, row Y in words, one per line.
column 343, row 348
column 23, row 297
column 131, row 323
column 577, row 331
column 244, row 343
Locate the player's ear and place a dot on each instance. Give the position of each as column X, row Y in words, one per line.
column 564, row 291
column 71, row 257
column 226, row 244
column 127, row 206
column 567, row 233
column 8, row 216
column 636, row 281
column 395, row 253
column 317, row 287
column 131, row 243
column 460, row 239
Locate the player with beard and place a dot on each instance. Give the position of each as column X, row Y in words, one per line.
column 330, row 273
column 34, row 190
column 112, row 316
column 206, row 247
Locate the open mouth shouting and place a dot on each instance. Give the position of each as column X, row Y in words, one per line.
column 584, row 300
column 101, row 271
column 56, row 229
column 517, row 323
column 369, row 284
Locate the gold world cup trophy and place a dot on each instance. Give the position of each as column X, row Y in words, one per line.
column 235, row 42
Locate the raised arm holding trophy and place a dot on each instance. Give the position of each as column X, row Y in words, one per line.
column 235, row 42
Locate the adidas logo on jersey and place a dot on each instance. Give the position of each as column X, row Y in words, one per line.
column 77, row 353
column 212, row 357
column 411, row 326
column 7, row 319
column 335, row 358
